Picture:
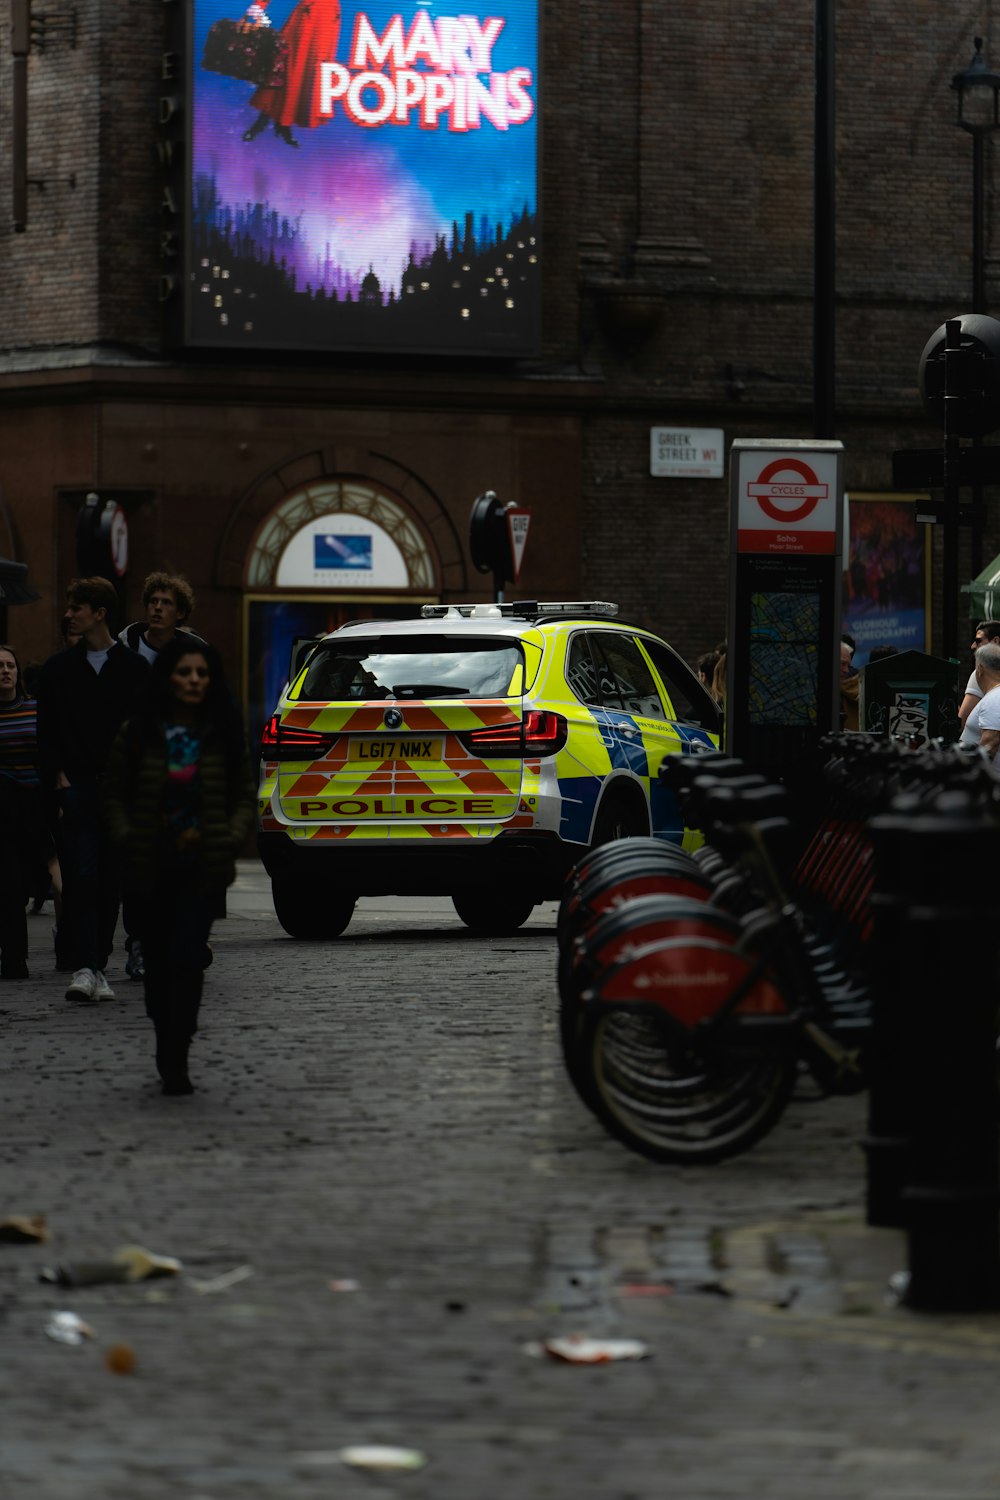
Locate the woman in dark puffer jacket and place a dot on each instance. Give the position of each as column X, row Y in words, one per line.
column 179, row 799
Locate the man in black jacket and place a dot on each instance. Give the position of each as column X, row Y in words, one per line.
column 168, row 601
column 84, row 696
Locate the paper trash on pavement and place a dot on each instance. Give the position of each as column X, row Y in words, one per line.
column 24, row 1229
column 68, row 1328
column 140, row 1264
column 578, row 1349
column 221, row 1283
column 130, row 1263
column 375, row 1456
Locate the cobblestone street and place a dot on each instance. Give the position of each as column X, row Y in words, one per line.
column 390, row 1112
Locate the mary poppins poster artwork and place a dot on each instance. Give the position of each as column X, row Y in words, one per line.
column 364, row 177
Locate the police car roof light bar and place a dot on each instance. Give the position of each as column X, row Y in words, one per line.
column 522, row 609
column 531, row 607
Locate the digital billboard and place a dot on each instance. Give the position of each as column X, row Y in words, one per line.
column 363, row 176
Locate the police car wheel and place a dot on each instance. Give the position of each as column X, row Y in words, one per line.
column 618, row 819
column 311, row 914
column 491, row 913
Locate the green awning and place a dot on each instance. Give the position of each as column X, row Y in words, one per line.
column 984, row 592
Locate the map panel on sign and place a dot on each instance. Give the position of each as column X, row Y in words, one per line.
column 784, row 629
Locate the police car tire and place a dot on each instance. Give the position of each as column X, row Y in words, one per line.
column 617, row 818
column 492, row 914
column 304, row 912
column 700, row 1117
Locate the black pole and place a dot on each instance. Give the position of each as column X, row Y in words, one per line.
column 824, row 234
column 952, row 478
column 978, row 306
column 978, row 257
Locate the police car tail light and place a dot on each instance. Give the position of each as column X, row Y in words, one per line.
column 544, row 733
column 277, row 737
column 538, row 733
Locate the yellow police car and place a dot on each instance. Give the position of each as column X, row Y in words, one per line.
column 476, row 753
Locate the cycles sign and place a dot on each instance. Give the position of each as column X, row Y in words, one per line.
column 787, row 503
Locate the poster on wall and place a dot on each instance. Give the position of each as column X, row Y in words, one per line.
column 363, row 176
column 886, row 576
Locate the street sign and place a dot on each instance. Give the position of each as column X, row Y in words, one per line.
column 687, row 452
column 518, row 521
column 786, row 502
column 785, row 580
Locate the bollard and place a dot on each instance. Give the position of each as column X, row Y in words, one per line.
column 932, row 1146
column 891, row 974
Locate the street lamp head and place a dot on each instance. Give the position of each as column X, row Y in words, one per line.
column 978, row 91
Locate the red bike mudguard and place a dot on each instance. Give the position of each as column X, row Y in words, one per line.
column 690, row 979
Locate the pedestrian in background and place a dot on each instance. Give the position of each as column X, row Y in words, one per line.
column 850, row 684
column 718, row 688
column 706, row 667
column 179, row 800
column 20, row 822
column 168, row 600
column 987, row 633
column 84, row 695
column 982, row 727
column 48, row 883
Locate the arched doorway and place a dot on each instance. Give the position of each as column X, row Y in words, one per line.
column 335, row 549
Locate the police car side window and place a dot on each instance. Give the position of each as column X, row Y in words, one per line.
column 691, row 702
column 581, row 673
column 628, row 674
column 607, row 686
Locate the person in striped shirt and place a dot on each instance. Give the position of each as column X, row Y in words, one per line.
column 20, row 829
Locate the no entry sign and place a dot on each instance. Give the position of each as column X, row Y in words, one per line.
column 786, row 502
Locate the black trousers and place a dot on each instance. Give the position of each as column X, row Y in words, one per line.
column 20, row 846
column 91, row 876
column 173, row 923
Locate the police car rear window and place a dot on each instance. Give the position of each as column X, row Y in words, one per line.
column 408, row 667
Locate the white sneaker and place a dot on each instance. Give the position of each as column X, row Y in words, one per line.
column 83, row 985
column 102, row 987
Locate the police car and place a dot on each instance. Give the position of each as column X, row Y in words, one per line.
column 476, row 753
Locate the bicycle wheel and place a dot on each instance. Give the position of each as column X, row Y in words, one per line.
column 644, row 921
column 648, row 1080
column 613, row 870
column 665, row 1104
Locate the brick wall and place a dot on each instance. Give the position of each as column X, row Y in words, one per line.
column 677, row 200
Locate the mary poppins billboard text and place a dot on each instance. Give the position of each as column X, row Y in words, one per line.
column 363, row 178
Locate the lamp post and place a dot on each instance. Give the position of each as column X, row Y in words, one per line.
column 978, row 91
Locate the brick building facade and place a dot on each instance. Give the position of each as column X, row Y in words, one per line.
column 677, row 156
